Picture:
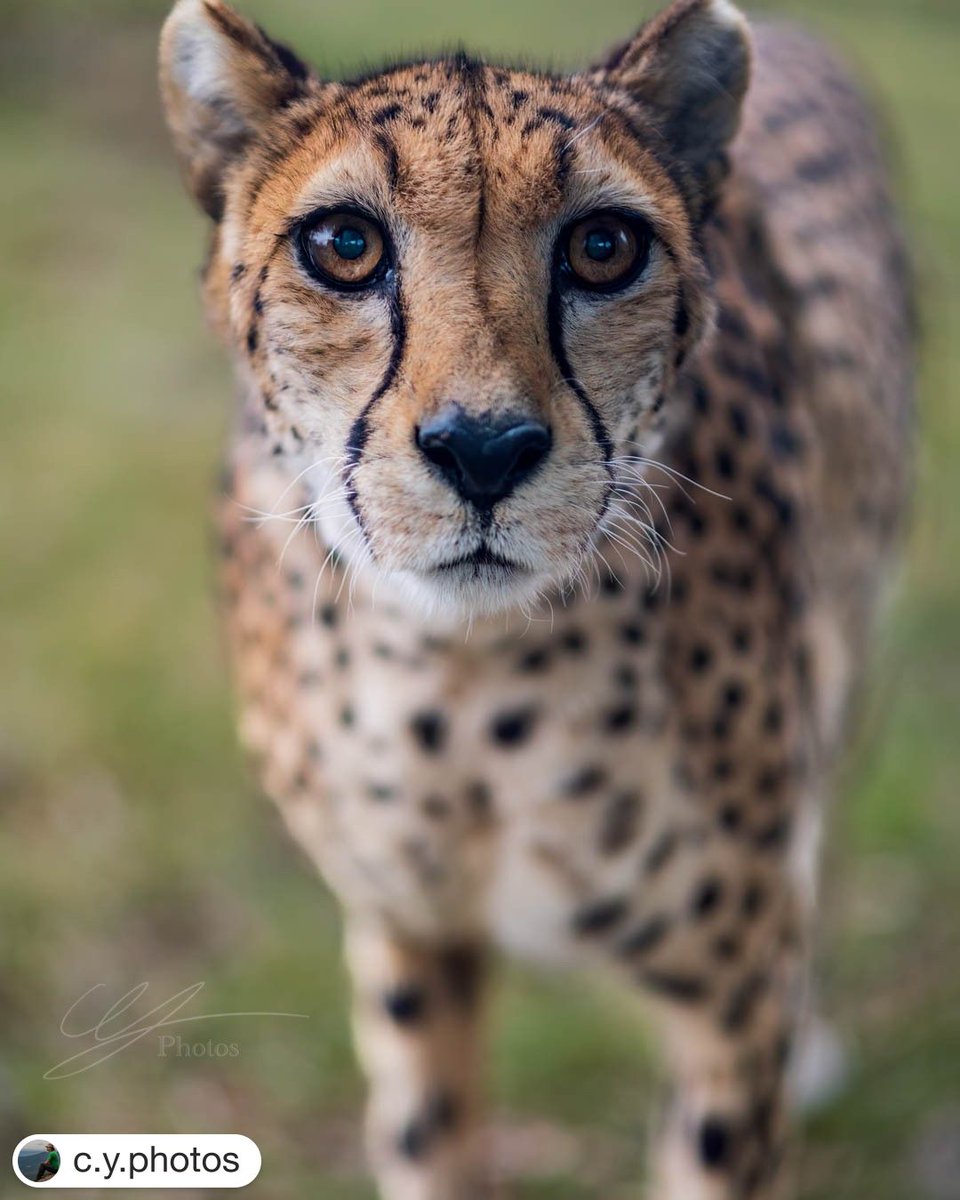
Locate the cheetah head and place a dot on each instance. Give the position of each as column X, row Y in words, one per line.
column 457, row 294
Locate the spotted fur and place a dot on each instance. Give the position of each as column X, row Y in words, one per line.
column 617, row 751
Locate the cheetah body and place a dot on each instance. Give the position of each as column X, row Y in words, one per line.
column 631, row 771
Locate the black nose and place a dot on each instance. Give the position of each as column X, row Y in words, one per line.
column 483, row 458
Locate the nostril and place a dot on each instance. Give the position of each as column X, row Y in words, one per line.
column 525, row 447
column 533, row 444
column 437, row 450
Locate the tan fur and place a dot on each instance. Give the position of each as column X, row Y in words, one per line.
column 618, row 755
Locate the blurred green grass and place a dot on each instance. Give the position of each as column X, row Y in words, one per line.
column 132, row 845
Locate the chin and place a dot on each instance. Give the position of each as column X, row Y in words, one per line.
column 465, row 590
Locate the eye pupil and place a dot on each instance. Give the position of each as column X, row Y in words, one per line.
column 350, row 243
column 600, row 245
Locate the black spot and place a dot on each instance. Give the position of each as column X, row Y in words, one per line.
column 253, row 338
column 660, row 853
column 715, row 1143
column 620, row 821
column 769, row 781
column 347, row 717
column 406, row 1004
column 741, row 639
column 739, row 422
column 599, row 917
column 479, row 797
column 626, row 676
column 645, row 937
column 726, row 947
column 687, row 989
column 774, row 836
column 742, row 1002
column 534, row 661
column 766, row 490
column 824, row 167
column 389, row 113
column 730, row 818
column 724, row 463
column 588, row 779
column 700, row 659
column 328, row 615
column 430, row 730
column 556, row 117
column 513, row 728
column 784, row 443
column 707, row 898
column 722, row 770
column 573, row 641
column 732, row 696
column 610, row 585
column 619, row 720
column 632, row 634
column 741, row 519
column 730, row 322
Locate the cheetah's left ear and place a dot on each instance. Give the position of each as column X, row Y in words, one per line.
column 689, row 67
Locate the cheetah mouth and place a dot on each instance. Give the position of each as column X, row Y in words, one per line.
column 478, row 561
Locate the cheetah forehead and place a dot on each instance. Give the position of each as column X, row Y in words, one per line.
column 447, row 143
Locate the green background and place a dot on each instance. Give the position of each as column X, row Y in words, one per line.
column 134, row 848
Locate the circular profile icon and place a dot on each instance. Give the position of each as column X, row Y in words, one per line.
column 38, row 1161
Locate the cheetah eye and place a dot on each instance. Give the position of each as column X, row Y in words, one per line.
column 344, row 249
column 605, row 251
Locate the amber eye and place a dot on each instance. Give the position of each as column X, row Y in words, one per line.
column 345, row 249
column 606, row 251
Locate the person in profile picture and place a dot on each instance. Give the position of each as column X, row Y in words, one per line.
column 39, row 1161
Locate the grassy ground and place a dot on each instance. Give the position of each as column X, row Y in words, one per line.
column 132, row 846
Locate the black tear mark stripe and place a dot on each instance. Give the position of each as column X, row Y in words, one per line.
column 360, row 430
column 555, row 330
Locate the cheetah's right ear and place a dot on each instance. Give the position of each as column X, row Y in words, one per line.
column 221, row 79
column 689, row 69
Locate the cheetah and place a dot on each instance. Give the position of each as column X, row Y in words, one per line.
column 571, row 454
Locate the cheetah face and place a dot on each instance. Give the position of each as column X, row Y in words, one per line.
column 459, row 294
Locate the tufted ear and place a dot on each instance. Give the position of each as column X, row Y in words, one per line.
column 690, row 67
column 222, row 79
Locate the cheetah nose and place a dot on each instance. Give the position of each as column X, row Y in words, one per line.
column 484, row 458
